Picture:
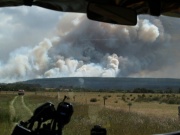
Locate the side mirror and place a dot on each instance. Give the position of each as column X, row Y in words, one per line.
column 111, row 14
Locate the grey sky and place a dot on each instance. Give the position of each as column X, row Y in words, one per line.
column 25, row 26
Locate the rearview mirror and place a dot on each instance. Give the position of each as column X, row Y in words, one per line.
column 111, row 14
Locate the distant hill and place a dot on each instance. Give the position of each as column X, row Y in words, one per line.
column 108, row 83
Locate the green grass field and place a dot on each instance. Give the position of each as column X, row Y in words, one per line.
column 5, row 116
column 144, row 118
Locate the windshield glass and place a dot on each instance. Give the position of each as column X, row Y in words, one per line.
column 124, row 78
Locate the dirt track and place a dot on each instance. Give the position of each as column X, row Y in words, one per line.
column 24, row 106
column 13, row 111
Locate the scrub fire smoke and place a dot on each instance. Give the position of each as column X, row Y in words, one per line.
column 83, row 48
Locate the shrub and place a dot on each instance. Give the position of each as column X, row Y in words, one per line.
column 116, row 101
column 93, row 100
column 143, row 95
column 156, row 98
column 171, row 101
column 124, row 99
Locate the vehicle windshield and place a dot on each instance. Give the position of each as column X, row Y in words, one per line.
column 124, row 78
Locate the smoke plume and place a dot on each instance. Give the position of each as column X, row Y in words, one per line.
column 84, row 48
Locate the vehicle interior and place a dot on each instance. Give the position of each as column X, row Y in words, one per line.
column 98, row 67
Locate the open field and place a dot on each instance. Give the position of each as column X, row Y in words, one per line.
column 143, row 118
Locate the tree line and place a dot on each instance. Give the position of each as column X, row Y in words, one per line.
column 37, row 87
column 20, row 86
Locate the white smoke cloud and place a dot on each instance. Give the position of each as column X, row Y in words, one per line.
column 16, row 68
column 39, row 54
column 68, row 23
column 148, row 32
column 73, row 68
column 84, row 48
column 25, row 63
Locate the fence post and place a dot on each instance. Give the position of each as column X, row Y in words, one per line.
column 179, row 112
column 58, row 96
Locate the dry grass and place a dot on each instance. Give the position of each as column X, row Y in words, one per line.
column 5, row 122
column 143, row 119
column 114, row 101
column 117, row 122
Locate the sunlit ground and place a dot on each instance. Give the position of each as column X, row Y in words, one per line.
column 140, row 118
